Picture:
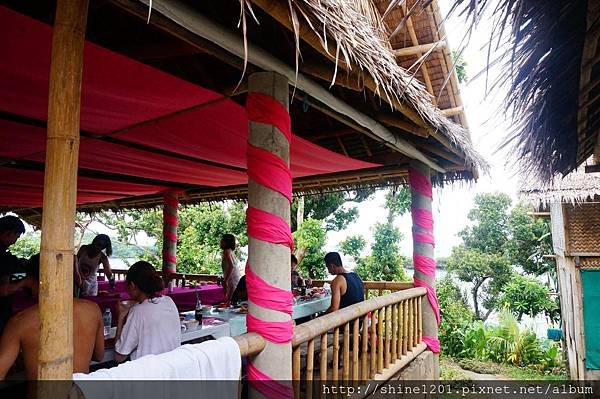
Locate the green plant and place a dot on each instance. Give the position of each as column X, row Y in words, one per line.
column 310, row 240
column 527, row 295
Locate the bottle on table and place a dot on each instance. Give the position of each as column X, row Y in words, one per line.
column 107, row 321
column 198, row 312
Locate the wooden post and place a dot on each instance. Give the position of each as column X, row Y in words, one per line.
column 170, row 222
column 420, row 201
column 55, row 357
column 271, row 262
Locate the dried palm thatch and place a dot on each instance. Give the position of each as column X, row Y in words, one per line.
column 576, row 187
column 541, row 64
column 353, row 34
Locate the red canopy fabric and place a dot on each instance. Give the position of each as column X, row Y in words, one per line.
column 166, row 129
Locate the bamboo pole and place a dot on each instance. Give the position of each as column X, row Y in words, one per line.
column 380, row 317
column 323, row 359
column 365, row 349
column 310, row 360
column 269, row 261
column 387, row 336
column 411, row 324
column 336, row 354
column 296, row 371
column 355, row 350
column 394, row 332
column 400, row 329
column 55, row 357
column 405, row 327
column 420, row 319
column 346, row 354
column 373, row 349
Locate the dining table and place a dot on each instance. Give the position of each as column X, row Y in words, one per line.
column 184, row 297
column 211, row 327
column 301, row 308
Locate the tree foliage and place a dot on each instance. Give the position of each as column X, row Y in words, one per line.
column 385, row 262
column 527, row 295
column 309, row 240
column 487, row 272
column 332, row 208
column 498, row 243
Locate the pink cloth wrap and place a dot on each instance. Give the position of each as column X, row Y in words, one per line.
column 266, row 295
column 268, row 170
column 266, row 386
column 423, row 218
column 272, row 172
column 278, row 332
column 420, row 183
column 267, row 227
column 262, row 108
column 432, row 343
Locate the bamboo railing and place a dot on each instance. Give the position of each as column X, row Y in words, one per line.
column 371, row 340
column 375, row 288
column 181, row 279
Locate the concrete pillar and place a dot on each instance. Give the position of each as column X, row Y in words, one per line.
column 420, row 201
column 271, row 262
column 170, row 222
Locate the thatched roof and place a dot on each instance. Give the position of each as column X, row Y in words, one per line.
column 576, row 187
column 357, row 37
column 551, row 50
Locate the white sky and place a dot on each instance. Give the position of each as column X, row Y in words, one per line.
column 487, row 126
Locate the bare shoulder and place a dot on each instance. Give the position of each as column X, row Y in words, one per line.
column 338, row 280
column 87, row 306
column 23, row 320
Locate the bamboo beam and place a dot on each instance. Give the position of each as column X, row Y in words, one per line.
column 276, row 359
column 452, row 111
column 409, row 127
column 415, row 41
column 192, row 20
column 55, row 357
column 250, row 343
column 419, row 49
column 347, row 80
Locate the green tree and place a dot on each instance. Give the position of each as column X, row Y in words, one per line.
column 309, row 241
column 530, row 240
column 524, row 295
column 353, row 246
column 331, row 208
column 27, row 245
column 489, row 230
column 460, row 66
column 488, row 272
column 385, row 261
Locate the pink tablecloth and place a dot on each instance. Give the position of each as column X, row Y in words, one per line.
column 184, row 298
column 120, row 286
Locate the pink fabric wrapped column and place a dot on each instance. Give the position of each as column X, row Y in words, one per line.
column 423, row 250
column 170, row 222
column 269, row 236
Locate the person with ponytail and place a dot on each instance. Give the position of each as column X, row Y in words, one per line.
column 151, row 325
column 89, row 258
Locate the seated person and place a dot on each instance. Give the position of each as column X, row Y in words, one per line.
column 346, row 288
column 22, row 333
column 297, row 280
column 241, row 293
column 11, row 228
column 151, row 325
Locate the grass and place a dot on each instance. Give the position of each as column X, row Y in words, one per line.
column 506, row 371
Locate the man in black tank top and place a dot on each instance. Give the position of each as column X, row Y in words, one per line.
column 346, row 288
